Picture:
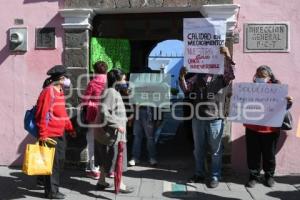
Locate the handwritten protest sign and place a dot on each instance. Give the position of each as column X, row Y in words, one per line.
column 202, row 41
column 258, row 104
column 150, row 89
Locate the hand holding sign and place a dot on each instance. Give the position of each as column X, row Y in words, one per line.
column 182, row 73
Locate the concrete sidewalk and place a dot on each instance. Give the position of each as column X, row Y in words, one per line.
column 150, row 183
column 166, row 181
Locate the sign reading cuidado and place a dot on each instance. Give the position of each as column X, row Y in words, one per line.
column 150, row 89
column 258, row 104
column 202, row 41
column 266, row 37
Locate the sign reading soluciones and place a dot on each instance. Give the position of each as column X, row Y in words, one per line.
column 258, row 104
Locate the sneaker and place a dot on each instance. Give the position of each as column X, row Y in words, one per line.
column 133, row 162
column 196, row 179
column 214, row 183
column 93, row 175
column 153, row 162
column 127, row 190
column 270, row 181
column 251, row 183
column 111, row 175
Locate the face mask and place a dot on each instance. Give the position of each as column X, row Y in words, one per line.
column 67, row 82
column 261, row 80
column 122, row 86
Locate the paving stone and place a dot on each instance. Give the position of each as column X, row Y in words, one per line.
column 259, row 192
column 285, row 195
column 16, row 185
column 147, row 187
column 158, row 189
column 228, row 195
column 236, row 187
column 195, row 187
column 222, row 187
column 127, row 198
column 283, row 187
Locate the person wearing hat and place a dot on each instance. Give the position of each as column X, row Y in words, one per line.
column 261, row 141
column 52, row 121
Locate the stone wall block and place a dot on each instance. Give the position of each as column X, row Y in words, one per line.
column 176, row 3
column 79, row 77
column 220, row 1
column 102, row 4
column 195, row 3
column 76, row 4
column 76, row 57
column 76, row 39
column 122, row 3
column 109, row 4
column 72, row 100
column 136, row 3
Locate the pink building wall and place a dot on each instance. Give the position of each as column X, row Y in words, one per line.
column 285, row 67
column 22, row 75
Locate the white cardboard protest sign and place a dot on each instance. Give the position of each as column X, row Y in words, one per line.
column 258, row 104
column 150, row 89
column 202, row 41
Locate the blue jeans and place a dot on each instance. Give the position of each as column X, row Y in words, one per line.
column 144, row 125
column 208, row 133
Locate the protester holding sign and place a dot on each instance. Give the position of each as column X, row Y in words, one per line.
column 262, row 140
column 210, row 92
column 150, row 91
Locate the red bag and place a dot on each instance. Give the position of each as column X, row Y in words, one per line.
column 91, row 112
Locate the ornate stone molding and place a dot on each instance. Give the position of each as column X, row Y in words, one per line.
column 222, row 11
column 81, row 18
column 77, row 18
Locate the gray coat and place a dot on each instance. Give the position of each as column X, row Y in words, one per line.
column 112, row 115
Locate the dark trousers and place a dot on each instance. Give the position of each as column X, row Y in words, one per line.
column 261, row 147
column 187, row 123
column 52, row 181
column 106, row 157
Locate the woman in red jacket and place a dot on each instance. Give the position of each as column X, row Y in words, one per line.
column 92, row 94
column 52, row 120
column 262, row 140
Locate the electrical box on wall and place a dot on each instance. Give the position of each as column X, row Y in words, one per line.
column 18, row 39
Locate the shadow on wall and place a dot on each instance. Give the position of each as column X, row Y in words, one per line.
column 54, row 22
column 60, row 2
column 5, row 52
column 21, row 150
column 239, row 156
column 38, row 1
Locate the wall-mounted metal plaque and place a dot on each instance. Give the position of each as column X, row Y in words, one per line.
column 45, row 38
column 266, row 37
